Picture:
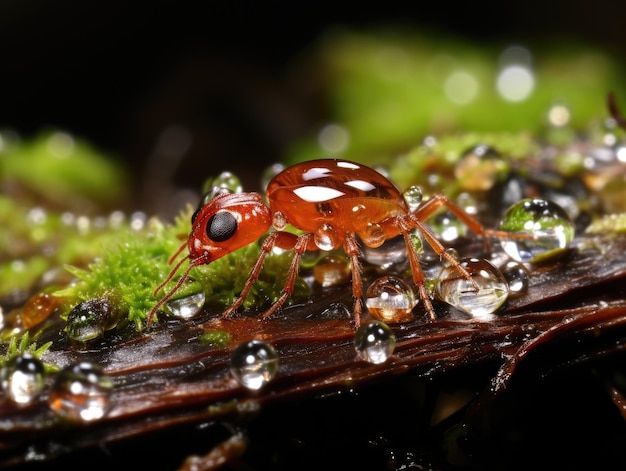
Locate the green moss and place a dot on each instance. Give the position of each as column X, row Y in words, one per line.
column 215, row 338
column 135, row 262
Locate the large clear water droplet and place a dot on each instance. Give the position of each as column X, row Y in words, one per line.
column 22, row 378
column 81, row 392
column 186, row 307
column 254, row 364
column 389, row 257
column 480, row 297
column 374, row 342
column 540, row 229
column 390, row 299
column 325, row 237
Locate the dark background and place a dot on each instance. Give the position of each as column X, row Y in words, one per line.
column 119, row 73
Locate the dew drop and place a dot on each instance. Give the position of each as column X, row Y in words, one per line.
column 336, row 311
column 186, row 307
column 324, row 237
column 254, row 364
column 22, row 378
column 90, row 319
column 541, row 230
column 517, row 277
column 279, row 221
column 81, row 392
column 481, row 299
column 391, row 256
column 225, row 182
column 391, row 299
column 373, row 235
column 332, row 270
column 413, row 197
column 374, row 342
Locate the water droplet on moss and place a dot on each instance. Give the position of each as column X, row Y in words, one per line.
column 544, row 230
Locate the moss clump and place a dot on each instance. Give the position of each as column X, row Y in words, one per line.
column 130, row 269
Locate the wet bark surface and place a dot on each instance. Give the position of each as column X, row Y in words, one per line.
column 543, row 374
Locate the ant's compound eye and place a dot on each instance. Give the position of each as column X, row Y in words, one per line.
column 222, row 226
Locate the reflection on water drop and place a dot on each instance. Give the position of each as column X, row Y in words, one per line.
column 484, row 297
column 517, row 277
column 374, row 342
column 544, row 230
column 391, row 299
column 332, row 270
column 22, row 378
column 225, row 182
column 90, row 319
column 81, row 392
column 186, row 307
column 254, row 363
column 413, row 197
column 325, row 237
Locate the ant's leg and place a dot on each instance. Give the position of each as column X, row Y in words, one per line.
column 429, row 207
column 418, row 275
column 351, row 247
column 301, row 245
column 266, row 247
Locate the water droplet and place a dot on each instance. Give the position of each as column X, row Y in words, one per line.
column 185, row 307
column 325, row 237
column 517, row 277
column 413, row 197
column 374, row 342
column 373, row 235
column 391, row 299
column 332, row 270
column 254, row 363
column 22, row 378
column 279, row 221
column 90, row 319
column 480, row 299
column 81, row 392
column 225, row 182
column 336, row 311
column 541, row 230
column 448, row 227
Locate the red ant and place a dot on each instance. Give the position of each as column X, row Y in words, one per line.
column 335, row 203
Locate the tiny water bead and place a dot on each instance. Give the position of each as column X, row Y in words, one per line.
column 186, row 307
column 544, row 230
column 22, row 378
column 374, row 342
column 225, row 182
column 253, row 364
column 413, row 197
column 391, row 299
column 81, row 392
column 479, row 168
column 517, row 277
column 484, row 297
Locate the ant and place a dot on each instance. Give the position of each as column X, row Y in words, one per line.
column 335, row 203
